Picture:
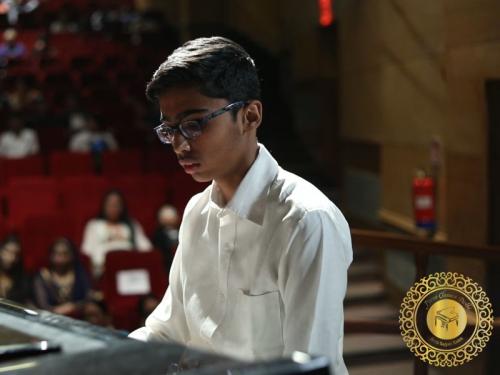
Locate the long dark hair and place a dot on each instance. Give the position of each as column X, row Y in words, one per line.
column 81, row 285
column 123, row 217
column 17, row 270
column 76, row 265
column 20, row 291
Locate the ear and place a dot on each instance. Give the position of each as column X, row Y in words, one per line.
column 252, row 115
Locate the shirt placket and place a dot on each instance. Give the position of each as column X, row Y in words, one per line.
column 227, row 239
column 226, row 245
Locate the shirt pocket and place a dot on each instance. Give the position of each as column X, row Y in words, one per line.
column 261, row 319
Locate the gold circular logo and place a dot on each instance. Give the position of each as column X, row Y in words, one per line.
column 446, row 319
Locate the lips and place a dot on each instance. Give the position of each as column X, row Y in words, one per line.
column 189, row 165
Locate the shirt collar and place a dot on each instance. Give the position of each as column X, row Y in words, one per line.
column 248, row 201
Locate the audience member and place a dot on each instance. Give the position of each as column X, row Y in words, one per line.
column 18, row 141
column 24, row 94
column 74, row 116
column 92, row 138
column 112, row 229
column 166, row 235
column 11, row 50
column 63, row 285
column 14, row 283
column 95, row 311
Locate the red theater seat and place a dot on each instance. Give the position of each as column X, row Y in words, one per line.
column 30, row 196
column 65, row 163
column 3, row 227
column 81, row 198
column 162, row 161
column 37, row 234
column 121, row 162
column 183, row 188
column 123, row 306
column 29, row 166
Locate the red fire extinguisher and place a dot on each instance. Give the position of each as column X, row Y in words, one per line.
column 424, row 201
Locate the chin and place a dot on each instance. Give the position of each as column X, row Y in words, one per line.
column 201, row 178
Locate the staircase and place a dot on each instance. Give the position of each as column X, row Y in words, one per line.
column 366, row 299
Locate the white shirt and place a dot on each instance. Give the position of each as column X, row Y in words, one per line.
column 83, row 140
column 101, row 237
column 19, row 146
column 262, row 277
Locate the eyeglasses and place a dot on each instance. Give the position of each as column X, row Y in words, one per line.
column 191, row 129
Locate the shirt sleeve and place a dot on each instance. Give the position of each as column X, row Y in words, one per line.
column 93, row 247
column 89, row 239
column 312, row 281
column 167, row 322
column 141, row 241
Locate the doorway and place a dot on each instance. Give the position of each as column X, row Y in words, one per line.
column 493, row 107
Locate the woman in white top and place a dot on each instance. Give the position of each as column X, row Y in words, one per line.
column 18, row 141
column 112, row 229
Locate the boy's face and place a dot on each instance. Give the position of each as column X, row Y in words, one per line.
column 218, row 152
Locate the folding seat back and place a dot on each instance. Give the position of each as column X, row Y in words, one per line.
column 30, row 196
column 65, row 163
column 121, row 162
column 161, row 160
column 183, row 187
column 3, row 227
column 28, row 166
column 129, row 275
column 38, row 233
column 81, row 198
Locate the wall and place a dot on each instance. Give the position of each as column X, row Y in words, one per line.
column 413, row 70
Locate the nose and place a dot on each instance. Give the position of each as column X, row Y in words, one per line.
column 180, row 143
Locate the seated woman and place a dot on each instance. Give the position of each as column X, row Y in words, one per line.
column 14, row 284
column 63, row 286
column 112, row 229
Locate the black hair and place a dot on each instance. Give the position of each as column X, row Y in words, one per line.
column 17, row 270
column 75, row 262
column 124, row 216
column 217, row 66
column 102, row 210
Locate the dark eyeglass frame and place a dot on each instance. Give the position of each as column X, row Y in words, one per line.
column 166, row 132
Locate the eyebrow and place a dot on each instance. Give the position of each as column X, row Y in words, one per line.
column 183, row 114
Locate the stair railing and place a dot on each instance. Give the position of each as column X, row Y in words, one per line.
column 422, row 249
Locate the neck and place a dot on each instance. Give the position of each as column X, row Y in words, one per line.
column 229, row 184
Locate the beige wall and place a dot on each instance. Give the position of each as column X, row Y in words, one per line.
column 412, row 70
